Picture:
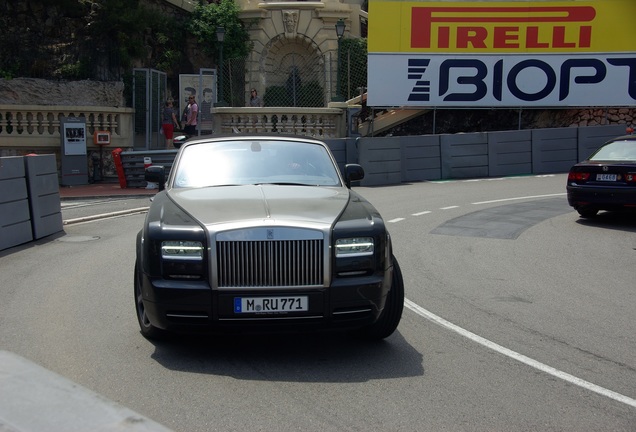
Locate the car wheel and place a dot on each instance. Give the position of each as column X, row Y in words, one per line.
column 392, row 312
column 587, row 212
column 147, row 329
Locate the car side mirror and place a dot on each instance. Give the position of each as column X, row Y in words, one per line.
column 353, row 172
column 156, row 174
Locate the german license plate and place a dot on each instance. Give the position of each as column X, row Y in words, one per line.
column 605, row 177
column 271, row 304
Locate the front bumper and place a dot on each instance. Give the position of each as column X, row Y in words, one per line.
column 194, row 307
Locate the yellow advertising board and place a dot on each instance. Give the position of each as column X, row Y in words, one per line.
column 502, row 53
column 502, row 27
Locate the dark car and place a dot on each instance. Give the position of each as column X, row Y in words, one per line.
column 262, row 234
column 606, row 180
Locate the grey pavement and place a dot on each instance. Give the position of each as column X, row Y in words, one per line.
column 33, row 398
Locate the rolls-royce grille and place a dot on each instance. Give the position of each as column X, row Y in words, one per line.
column 270, row 263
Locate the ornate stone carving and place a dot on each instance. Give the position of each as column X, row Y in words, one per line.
column 290, row 20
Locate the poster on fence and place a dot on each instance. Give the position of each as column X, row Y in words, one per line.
column 203, row 88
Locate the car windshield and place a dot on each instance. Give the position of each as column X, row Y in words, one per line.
column 624, row 150
column 245, row 162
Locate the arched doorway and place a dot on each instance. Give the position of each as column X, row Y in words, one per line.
column 294, row 72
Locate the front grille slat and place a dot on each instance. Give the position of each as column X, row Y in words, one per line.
column 270, row 263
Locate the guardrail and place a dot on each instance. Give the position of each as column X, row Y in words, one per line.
column 134, row 162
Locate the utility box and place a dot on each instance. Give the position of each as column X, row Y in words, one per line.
column 74, row 160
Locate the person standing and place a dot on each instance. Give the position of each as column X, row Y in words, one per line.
column 168, row 123
column 190, row 128
column 255, row 100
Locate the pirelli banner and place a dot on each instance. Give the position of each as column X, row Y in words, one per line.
column 502, row 54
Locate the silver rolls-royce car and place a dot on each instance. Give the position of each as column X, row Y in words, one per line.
column 263, row 234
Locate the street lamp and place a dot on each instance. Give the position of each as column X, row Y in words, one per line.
column 340, row 29
column 220, row 37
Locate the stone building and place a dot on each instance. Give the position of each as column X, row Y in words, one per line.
column 297, row 39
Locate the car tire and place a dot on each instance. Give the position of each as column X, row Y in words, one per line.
column 147, row 329
column 392, row 312
column 587, row 212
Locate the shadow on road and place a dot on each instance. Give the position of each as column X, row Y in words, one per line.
column 620, row 221
column 292, row 358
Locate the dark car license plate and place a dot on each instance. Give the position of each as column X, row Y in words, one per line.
column 271, row 304
column 605, row 177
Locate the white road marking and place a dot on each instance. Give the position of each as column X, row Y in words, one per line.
column 519, row 357
column 449, row 207
column 421, row 213
column 395, row 220
column 519, row 198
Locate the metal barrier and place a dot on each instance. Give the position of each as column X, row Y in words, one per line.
column 29, row 199
column 393, row 160
column 134, row 163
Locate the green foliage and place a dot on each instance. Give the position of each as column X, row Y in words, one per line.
column 311, row 95
column 276, row 96
column 353, row 64
column 74, row 71
column 204, row 22
column 9, row 71
column 70, row 8
column 136, row 33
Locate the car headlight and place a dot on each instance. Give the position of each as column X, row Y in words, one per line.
column 181, row 250
column 182, row 259
column 354, row 247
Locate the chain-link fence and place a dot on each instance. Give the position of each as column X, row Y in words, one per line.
column 149, row 96
column 353, row 68
column 300, row 80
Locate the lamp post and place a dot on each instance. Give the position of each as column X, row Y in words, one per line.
column 220, row 37
column 340, row 29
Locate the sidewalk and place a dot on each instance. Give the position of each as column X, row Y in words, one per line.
column 102, row 190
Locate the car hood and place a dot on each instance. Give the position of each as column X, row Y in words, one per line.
column 264, row 203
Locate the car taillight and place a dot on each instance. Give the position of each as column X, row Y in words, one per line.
column 578, row 176
column 630, row 177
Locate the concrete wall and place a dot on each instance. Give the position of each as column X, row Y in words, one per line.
column 29, row 199
column 15, row 219
column 393, row 160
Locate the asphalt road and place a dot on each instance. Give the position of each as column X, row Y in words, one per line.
column 519, row 317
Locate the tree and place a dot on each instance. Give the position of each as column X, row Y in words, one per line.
column 204, row 22
column 134, row 33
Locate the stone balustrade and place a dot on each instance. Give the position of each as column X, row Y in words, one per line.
column 36, row 128
column 25, row 128
column 315, row 122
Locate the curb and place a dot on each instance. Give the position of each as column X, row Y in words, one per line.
column 105, row 215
